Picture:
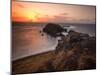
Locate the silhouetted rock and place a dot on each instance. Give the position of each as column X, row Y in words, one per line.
column 54, row 30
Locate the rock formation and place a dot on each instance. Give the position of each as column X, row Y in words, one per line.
column 53, row 30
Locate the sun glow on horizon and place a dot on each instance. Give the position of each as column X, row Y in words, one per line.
column 45, row 12
column 32, row 16
column 23, row 14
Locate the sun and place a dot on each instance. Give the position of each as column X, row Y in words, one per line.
column 32, row 16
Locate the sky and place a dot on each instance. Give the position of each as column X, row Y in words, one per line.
column 48, row 12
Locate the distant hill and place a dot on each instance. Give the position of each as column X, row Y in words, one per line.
column 75, row 51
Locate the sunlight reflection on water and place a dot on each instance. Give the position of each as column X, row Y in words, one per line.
column 29, row 41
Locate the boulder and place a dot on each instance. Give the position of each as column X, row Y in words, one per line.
column 54, row 30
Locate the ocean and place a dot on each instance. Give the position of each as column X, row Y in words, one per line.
column 27, row 39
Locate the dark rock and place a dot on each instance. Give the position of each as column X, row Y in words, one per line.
column 74, row 37
column 54, row 30
column 73, row 33
column 84, row 41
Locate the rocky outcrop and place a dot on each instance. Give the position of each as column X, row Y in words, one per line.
column 54, row 30
column 76, row 53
